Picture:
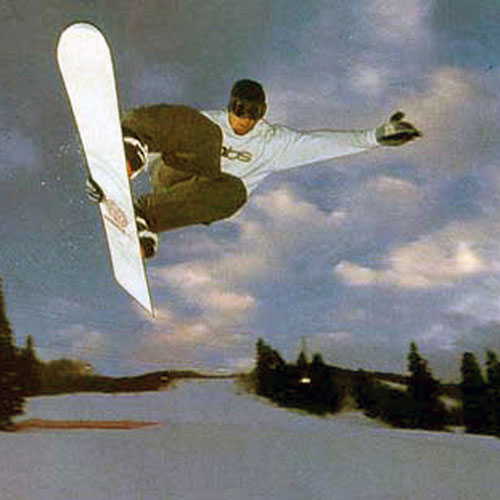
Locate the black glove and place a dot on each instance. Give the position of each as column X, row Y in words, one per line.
column 396, row 132
column 93, row 191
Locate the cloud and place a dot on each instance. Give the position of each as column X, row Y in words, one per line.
column 17, row 150
column 223, row 296
column 396, row 189
column 393, row 38
column 77, row 341
column 285, row 221
column 178, row 340
column 282, row 205
column 188, row 276
column 370, row 51
column 398, row 21
column 457, row 114
column 478, row 304
column 369, row 79
column 333, row 337
column 378, row 211
column 230, row 302
column 215, row 317
column 438, row 260
column 197, row 282
column 214, row 302
column 440, row 337
column 356, row 275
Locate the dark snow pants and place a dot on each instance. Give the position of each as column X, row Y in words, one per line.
column 188, row 186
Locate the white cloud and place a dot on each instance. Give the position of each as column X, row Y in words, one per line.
column 17, row 150
column 178, row 340
column 207, row 284
column 188, row 276
column 398, row 21
column 77, row 341
column 221, row 316
column 368, row 79
column 336, row 337
column 356, row 275
column 441, row 259
column 457, row 114
column 429, row 263
column 439, row 336
column 480, row 302
column 222, row 288
column 380, row 210
column 282, row 205
column 226, row 302
column 397, row 189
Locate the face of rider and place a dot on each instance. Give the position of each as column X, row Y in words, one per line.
column 241, row 125
column 246, row 107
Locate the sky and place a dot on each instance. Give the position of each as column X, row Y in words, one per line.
column 355, row 257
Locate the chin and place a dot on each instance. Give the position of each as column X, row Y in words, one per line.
column 240, row 131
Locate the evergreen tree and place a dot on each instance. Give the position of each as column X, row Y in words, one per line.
column 30, row 369
column 422, row 386
column 11, row 401
column 493, row 392
column 269, row 370
column 312, row 388
column 302, row 364
column 317, row 361
column 424, row 390
column 474, row 396
column 325, row 391
column 267, row 358
column 414, row 358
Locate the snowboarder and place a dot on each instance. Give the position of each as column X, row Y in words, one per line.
column 210, row 161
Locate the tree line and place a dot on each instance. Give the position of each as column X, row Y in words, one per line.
column 11, row 371
column 412, row 401
column 310, row 386
column 481, row 394
column 22, row 374
column 415, row 404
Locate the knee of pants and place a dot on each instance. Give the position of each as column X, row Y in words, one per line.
column 230, row 198
column 237, row 188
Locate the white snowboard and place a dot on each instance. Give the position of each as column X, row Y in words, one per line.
column 87, row 69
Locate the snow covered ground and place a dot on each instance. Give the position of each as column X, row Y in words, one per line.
column 215, row 442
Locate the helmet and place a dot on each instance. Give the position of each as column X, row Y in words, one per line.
column 248, row 99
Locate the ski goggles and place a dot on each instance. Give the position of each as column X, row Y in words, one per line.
column 247, row 109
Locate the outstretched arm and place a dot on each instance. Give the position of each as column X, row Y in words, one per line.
column 302, row 148
column 306, row 147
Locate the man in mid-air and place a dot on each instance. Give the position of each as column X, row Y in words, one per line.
column 204, row 165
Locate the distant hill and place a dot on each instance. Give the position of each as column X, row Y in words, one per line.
column 97, row 383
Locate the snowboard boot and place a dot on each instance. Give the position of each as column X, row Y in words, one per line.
column 147, row 239
column 136, row 153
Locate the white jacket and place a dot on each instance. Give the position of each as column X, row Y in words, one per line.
column 268, row 148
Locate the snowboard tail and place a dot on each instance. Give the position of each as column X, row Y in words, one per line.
column 86, row 67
